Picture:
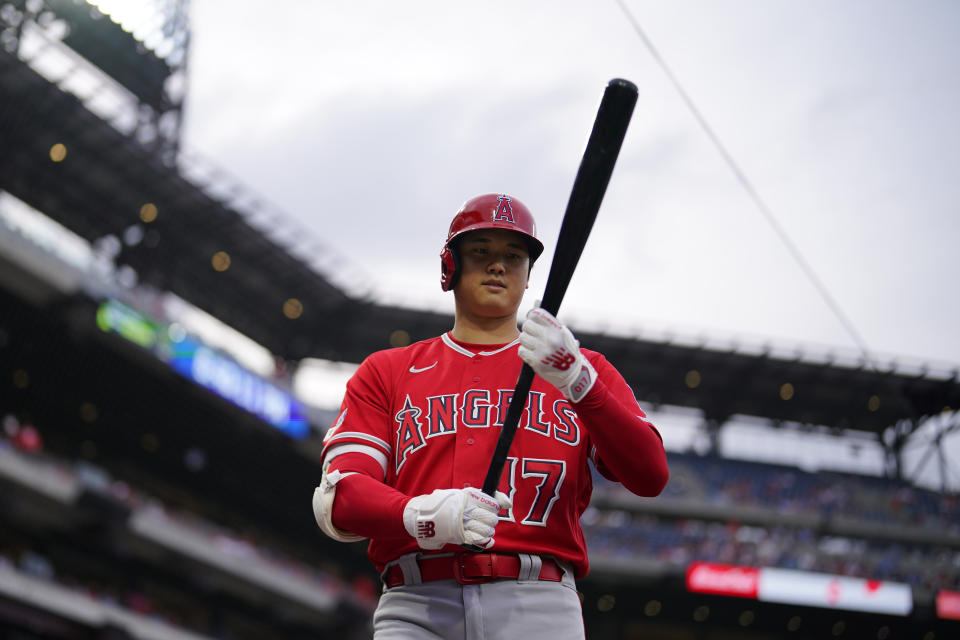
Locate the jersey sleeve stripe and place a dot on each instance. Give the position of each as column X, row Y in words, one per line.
column 340, row 449
column 356, row 435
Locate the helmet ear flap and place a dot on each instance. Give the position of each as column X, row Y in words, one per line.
column 449, row 268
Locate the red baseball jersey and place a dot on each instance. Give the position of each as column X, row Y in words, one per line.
column 434, row 410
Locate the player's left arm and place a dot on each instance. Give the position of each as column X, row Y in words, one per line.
column 627, row 443
column 628, row 446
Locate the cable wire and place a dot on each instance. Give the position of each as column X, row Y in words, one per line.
column 753, row 193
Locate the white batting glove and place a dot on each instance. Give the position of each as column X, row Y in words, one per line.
column 554, row 354
column 454, row 516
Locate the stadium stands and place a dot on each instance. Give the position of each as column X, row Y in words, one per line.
column 174, row 560
column 759, row 514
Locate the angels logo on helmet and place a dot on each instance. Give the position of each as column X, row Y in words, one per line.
column 504, row 212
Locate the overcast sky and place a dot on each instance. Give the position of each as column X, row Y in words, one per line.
column 369, row 123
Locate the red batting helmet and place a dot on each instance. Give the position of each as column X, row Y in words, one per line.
column 489, row 211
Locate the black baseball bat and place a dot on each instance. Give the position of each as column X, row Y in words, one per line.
column 589, row 187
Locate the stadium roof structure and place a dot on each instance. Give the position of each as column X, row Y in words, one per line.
column 278, row 294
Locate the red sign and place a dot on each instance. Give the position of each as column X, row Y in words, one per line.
column 811, row 589
column 723, row 579
column 948, row 605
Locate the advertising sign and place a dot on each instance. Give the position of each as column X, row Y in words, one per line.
column 809, row 589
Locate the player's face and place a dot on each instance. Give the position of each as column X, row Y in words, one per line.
column 495, row 265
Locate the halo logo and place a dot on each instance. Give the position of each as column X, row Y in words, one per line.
column 504, row 212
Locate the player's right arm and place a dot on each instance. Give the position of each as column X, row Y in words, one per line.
column 353, row 501
column 356, row 446
column 360, row 505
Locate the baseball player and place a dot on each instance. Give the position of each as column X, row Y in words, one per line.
column 418, row 427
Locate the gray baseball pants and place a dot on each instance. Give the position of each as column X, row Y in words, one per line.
column 503, row 609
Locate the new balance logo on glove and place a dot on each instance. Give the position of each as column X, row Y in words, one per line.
column 560, row 359
column 554, row 355
column 426, row 529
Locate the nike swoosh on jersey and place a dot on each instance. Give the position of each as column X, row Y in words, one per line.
column 421, row 370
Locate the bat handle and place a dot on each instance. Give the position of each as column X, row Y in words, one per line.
column 492, row 481
column 517, row 403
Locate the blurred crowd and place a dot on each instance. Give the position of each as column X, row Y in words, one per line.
column 810, row 540
column 116, row 578
column 822, row 494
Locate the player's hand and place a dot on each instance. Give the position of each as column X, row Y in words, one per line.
column 454, row 516
column 554, row 354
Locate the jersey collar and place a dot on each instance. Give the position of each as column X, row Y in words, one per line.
column 450, row 342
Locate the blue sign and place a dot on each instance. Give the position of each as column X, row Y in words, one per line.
column 232, row 382
column 208, row 368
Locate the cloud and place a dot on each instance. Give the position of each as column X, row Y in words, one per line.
column 370, row 122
